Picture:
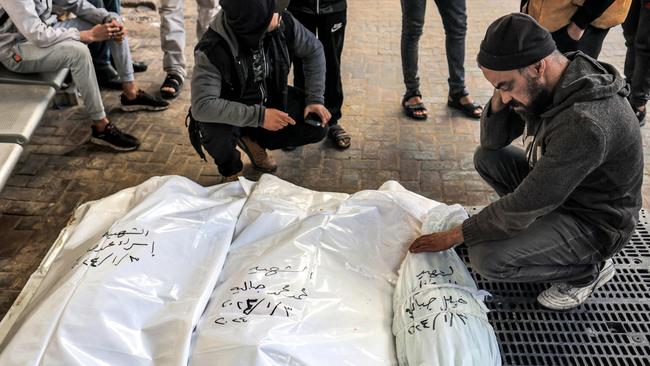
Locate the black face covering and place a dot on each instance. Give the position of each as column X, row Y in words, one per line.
column 248, row 19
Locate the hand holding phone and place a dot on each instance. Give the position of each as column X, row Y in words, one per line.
column 313, row 119
column 317, row 115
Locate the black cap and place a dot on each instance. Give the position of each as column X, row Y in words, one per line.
column 514, row 41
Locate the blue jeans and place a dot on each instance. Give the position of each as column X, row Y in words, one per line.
column 75, row 56
column 454, row 20
column 101, row 51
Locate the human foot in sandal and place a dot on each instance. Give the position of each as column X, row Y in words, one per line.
column 171, row 86
column 414, row 108
column 464, row 103
column 339, row 137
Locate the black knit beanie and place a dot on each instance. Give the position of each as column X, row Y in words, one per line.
column 249, row 19
column 514, row 41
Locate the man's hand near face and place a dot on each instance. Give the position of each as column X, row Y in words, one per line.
column 496, row 103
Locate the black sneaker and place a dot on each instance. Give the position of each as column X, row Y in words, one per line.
column 107, row 77
column 114, row 138
column 140, row 66
column 143, row 102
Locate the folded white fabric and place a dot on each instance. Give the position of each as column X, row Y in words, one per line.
column 439, row 315
column 129, row 278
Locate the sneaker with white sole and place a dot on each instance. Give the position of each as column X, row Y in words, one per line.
column 112, row 137
column 143, row 102
column 563, row 296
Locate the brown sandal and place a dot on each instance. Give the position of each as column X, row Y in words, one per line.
column 339, row 137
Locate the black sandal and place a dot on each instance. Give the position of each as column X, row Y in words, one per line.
column 339, row 137
column 171, row 81
column 411, row 109
column 472, row 110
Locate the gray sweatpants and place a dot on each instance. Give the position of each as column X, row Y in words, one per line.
column 75, row 56
column 172, row 31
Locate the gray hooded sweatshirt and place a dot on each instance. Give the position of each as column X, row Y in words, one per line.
column 207, row 104
column 586, row 157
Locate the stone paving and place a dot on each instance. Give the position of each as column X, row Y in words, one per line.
column 59, row 170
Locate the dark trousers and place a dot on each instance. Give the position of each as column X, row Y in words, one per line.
column 100, row 51
column 330, row 30
column 220, row 139
column 591, row 42
column 636, row 30
column 454, row 20
column 558, row 247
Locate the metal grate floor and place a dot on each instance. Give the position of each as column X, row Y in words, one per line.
column 612, row 328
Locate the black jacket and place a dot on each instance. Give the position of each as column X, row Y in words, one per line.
column 224, row 87
column 318, row 6
column 587, row 159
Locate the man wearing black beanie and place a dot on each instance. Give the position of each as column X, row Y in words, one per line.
column 571, row 199
column 240, row 95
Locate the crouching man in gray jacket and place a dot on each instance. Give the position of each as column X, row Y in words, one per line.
column 33, row 40
column 571, row 200
column 240, row 95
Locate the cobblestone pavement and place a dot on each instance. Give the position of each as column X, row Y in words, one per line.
column 60, row 170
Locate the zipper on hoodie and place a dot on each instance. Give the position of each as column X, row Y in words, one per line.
column 262, row 92
column 262, row 89
column 317, row 7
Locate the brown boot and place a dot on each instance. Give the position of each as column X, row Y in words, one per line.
column 261, row 160
column 231, row 178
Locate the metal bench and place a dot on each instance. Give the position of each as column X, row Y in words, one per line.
column 9, row 155
column 24, row 98
column 22, row 107
column 53, row 79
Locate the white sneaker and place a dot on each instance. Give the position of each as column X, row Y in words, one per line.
column 562, row 296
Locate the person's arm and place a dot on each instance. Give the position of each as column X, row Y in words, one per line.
column 573, row 151
column 590, row 11
column 309, row 49
column 24, row 16
column 499, row 124
column 207, row 106
column 86, row 11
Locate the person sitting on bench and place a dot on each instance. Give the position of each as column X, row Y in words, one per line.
column 33, row 40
